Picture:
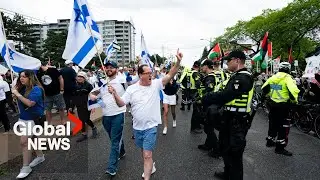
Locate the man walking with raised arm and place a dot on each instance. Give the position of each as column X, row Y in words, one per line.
column 145, row 103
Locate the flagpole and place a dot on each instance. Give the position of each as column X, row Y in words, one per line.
column 6, row 43
column 95, row 45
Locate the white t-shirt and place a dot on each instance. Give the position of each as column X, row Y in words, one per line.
column 7, row 87
column 2, row 90
column 122, row 77
column 145, row 104
column 111, row 107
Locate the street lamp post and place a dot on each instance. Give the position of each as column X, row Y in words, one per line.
column 210, row 42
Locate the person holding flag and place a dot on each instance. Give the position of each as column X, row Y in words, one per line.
column 145, row 102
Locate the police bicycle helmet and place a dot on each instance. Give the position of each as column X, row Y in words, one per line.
column 285, row 67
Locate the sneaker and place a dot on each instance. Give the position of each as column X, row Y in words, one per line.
column 1, row 126
column 24, row 172
column 283, row 152
column 37, row 161
column 82, row 138
column 165, row 129
column 111, row 173
column 122, row 155
column 153, row 169
column 174, row 123
column 94, row 133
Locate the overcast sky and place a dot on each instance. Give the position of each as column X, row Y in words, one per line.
column 169, row 23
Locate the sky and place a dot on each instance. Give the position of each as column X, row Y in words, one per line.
column 166, row 24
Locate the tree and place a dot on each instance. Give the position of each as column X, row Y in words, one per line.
column 96, row 60
column 160, row 60
column 296, row 26
column 54, row 46
column 18, row 30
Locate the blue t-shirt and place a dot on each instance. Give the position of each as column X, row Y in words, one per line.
column 30, row 113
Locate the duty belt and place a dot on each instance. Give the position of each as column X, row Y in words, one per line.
column 234, row 109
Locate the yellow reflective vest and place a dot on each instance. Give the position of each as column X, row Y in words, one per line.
column 281, row 84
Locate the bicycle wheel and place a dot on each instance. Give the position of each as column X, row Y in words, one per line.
column 304, row 123
column 317, row 126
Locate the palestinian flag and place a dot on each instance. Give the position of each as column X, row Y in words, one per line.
column 215, row 53
column 268, row 57
column 263, row 49
column 290, row 58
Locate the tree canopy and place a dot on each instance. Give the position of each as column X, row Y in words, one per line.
column 296, row 25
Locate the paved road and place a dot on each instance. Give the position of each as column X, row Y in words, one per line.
column 177, row 157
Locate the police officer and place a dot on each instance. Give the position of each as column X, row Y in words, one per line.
column 209, row 83
column 196, row 118
column 219, row 73
column 190, row 81
column 282, row 90
column 236, row 120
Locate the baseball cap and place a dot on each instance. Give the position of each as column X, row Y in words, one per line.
column 111, row 63
column 208, row 63
column 196, row 64
column 235, row 54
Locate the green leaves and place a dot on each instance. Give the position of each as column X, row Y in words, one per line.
column 54, row 46
column 297, row 25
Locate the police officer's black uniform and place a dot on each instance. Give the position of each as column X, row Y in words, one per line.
column 236, row 118
column 196, row 118
column 209, row 84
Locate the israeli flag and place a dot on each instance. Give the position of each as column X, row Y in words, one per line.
column 113, row 47
column 16, row 61
column 145, row 56
column 83, row 36
column 97, row 103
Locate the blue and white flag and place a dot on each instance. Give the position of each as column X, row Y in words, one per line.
column 145, row 56
column 97, row 103
column 113, row 47
column 83, row 35
column 168, row 63
column 16, row 61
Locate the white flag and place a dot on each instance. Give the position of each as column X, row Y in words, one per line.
column 83, row 36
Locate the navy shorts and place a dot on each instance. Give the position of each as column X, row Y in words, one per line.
column 146, row 139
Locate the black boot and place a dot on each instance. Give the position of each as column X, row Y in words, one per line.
column 270, row 142
column 189, row 107
column 204, row 147
column 220, row 175
column 214, row 153
column 182, row 107
column 280, row 150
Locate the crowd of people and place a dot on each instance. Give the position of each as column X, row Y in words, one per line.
column 221, row 101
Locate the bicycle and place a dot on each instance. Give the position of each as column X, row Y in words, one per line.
column 308, row 115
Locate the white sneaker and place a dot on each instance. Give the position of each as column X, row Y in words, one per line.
column 174, row 123
column 37, row 161
column 165, row 129
column 24, row 172
column 153, row 169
